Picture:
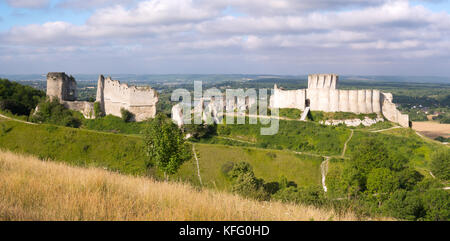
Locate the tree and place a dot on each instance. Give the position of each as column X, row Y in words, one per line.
column 440, row 164
column 18, row 99
column 166, row 146
column 246, row 184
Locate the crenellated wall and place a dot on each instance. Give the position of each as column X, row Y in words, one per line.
column 288, row 98
column 140, row 101
column 322, row 95
column 111, row 94
column 320, row 81
column 330, row 100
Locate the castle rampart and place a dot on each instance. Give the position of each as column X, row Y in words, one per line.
column 322, row 95
column 111, row 95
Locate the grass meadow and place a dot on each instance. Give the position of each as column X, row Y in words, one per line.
column 31, row 189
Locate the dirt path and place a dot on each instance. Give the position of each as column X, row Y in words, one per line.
column 232, row 139
column 263, row 116
column 324, row 171
column 198, row 165
column 345, row 144
column 9, row 118
column 395, row 127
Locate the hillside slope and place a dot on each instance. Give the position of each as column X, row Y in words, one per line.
column 34, row 190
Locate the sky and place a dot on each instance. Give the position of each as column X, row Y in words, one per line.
column 287, row 37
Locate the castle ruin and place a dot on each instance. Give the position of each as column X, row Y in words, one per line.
column 322, row 95
column 112, row 96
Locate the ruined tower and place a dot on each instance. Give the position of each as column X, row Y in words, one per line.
column 61, row 86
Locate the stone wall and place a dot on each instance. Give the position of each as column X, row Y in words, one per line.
column 86, row 108
column 331, row 100
column 113, row 96
column 288, row 98
column 390, row 111
column 320, row 81
column 322, row 95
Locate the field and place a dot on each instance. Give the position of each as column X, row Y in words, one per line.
column 432, row 129
column 31, row 189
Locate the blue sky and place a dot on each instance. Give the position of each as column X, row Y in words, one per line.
column 364, row 37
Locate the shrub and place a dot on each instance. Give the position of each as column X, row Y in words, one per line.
column 437, row 205
column 53, row 112
column 246, row 184
column 98, row 112
column 440, row 164
column 442, row 139
column 381, row 181
column 404, row 205
column 126, row 115
column 200, row 131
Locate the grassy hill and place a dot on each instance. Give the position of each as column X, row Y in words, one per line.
column 35, row 190
column 125, row 154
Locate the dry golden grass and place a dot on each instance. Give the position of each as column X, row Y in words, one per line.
column 31, row 189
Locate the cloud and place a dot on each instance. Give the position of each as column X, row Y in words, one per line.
column 152, row 12
column 283, row 37
column 92, row 4
column 28, row 3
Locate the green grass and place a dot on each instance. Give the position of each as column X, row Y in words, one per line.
column 270, row 165
column 125, row 154
column 74, row 146
column 320, row 115
column 292, row 135
column 290, row 113
column 114, row 124
column 401, row 141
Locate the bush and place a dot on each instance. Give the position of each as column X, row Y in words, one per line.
column 437, row 205
column 440, row 164
column 246, row 184
column 200, row 131
column 98, row 112
column 381, row 181
column 53, row 112
column 404, row 205
column 126, row 115
column 442, row 139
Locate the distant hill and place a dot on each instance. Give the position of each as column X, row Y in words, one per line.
column 186, row 78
